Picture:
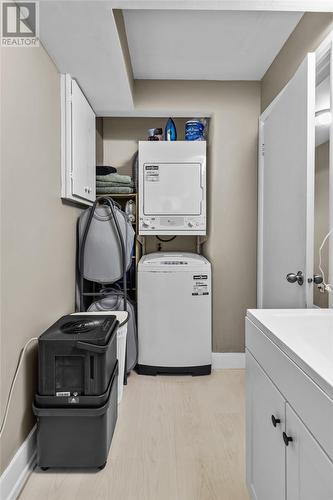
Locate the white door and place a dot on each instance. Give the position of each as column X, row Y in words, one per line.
column 265, row 422
column 309, row 470
column 286, row 194
column 83, row 145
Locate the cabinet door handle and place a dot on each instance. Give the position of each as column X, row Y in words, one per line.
column 286, row 439
column 275, row 421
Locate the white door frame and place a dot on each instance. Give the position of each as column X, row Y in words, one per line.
column 325, row 51
column 325, row 48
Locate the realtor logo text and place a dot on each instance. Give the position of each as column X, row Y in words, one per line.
column 20, row 24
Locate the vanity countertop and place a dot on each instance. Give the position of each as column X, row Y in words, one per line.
column 305, row 335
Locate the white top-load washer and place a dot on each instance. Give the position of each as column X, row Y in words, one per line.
column 172, row 187
column 174, row 314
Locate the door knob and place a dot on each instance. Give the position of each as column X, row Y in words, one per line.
column 295, row 278
column 286, row 439
column 317, row 279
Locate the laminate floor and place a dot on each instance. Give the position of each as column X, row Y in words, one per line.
column 177, row 438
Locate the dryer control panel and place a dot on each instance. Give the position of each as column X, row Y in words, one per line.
column 172, row 187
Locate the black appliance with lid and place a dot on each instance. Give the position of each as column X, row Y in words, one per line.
column 77, row 356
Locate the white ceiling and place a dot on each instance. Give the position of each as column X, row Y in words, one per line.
column 83, row 40
column 205, row 45
column 268, row 5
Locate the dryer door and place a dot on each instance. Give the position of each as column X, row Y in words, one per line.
column 173, row 189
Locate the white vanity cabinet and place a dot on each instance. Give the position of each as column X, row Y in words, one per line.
column 289, row 426
column 309, row 469
column 265, row 447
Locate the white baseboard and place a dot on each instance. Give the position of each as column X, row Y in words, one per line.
column 228, row 360
column 22, row 464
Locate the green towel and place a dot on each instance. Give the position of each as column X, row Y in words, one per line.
column 114, row 190
column 112, row 184
column 119, row 179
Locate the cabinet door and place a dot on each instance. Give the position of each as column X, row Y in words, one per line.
column 265, row 454
column 83, row 145
column 309, row 470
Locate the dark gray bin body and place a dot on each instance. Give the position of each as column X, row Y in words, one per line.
column 77, row 437
column 73, row 401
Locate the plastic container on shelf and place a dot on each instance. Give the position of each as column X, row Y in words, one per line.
column 195, row 129
column 122, row 317
column 155, row 134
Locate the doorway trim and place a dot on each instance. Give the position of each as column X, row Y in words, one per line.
column 324, row 51
column 324, row 56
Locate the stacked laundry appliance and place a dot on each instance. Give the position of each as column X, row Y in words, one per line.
column 76, row 403
column 174, row 288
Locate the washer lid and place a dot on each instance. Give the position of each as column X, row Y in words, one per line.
column 179, row 260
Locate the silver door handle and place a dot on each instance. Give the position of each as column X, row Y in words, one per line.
column 295, row 278
column 317, row 279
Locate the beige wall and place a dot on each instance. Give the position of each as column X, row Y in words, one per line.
column 234, row 108
column 99, row 141
column 37, row 230
column 321, row 219
column 121, row 136
column 307, row 36
column 120, row 140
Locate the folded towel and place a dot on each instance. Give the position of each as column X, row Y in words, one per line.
column 112, row 184
column 114, row 190
column 120, row 179
column 105, row 170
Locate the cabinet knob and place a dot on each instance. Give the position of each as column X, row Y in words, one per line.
column 275, row 421
column 286, row 439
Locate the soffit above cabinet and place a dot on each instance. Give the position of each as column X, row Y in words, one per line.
column 83, row 40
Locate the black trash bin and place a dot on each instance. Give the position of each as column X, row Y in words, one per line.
column 77, row 436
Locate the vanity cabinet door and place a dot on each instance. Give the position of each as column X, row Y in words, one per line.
column 309, row 469
column 265, row 421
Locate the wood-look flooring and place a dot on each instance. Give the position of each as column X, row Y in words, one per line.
column 177, row 438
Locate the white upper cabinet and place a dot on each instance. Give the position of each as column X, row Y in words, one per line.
column 78, row 144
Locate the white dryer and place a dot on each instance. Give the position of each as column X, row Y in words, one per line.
column 172, row 187
column 174, row 314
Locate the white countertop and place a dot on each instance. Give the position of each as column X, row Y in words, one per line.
column 305, row 335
